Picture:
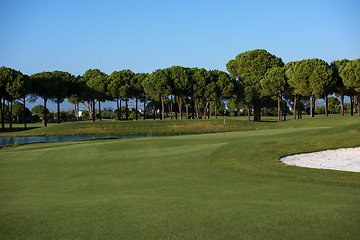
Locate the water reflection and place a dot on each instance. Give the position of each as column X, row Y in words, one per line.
column 4, row 141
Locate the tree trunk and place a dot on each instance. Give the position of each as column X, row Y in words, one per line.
column 216, row 109
column 295, row 99
column 117, row 105
column 93, row 110
column 144, row 109
column 352, row 105
column 176, row 108
column 314, row 106
column 162, row 108
column 2, row 108
column 120, row 111
column 209, row 111
column 205, row 108
column 258, row 112
column 285, row 112
column 311, row 106
column 58, row 110
column 180, row 107
column 257, row 109
column 279, row 107
column 326, row 104
column 197, row 109
column 126, row 110
column 193, row 107
column 249, row 113
column 76, row 113
column 342, row 100
column 88, row 107
column 154, row 110
column 187, row 110
column 171, row 107
column 45, row 112
column 24, row 101
column 99, row 111
column 10, row 115
column 136, row 109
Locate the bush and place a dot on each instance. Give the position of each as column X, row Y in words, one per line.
column 320, row 110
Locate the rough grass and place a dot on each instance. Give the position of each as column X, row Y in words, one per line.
column 208, row 186
column 151, row 127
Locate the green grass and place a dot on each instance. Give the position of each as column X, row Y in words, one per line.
column 151, row 127
column 208, row 186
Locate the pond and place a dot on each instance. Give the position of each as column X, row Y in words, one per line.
column 5, row 141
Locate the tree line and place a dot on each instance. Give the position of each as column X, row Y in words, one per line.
column 255, row 77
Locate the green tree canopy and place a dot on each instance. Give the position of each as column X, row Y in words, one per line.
column 321, row 79
column 351, row 74
column 12, row 87
column 158, row 85
column 61, row 84
column 181, row 83
column 138, row 91
column 120, row 87
column 339, row 87
column 274, row 84
column 42, row 85
column 250, row 67
column 96, row 83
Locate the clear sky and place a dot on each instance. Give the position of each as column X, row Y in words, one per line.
column 76, row 35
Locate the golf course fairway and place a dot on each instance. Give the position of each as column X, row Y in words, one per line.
column 206, row 186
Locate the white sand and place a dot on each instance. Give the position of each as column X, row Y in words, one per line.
column 345, row 159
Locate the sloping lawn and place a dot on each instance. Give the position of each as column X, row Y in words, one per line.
column 209, row 186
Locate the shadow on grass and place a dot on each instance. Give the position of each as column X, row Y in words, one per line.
column 16, row 129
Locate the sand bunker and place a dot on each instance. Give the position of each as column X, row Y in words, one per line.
column 345, row 159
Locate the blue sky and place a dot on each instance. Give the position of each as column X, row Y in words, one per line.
column 143, row 36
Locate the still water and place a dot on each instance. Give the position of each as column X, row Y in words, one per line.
column 4, row 141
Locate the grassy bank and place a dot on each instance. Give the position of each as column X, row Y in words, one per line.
column 168, row 126
column 212, row 186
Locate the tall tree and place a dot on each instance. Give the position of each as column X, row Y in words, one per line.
column 96, row 82
column 42, row 85
column 120, row 88
column 3, row 94
column 157, row 86
column 126, row 89
column 298, row 74
column 26, row 91
column 138, row 90
column 74, row 94
column 249, row 68
column 351, row 73
column 203, row 88
column 339, row 87
column 225, row 87
column 273, row 84
column 61, row 83
column 12, row 84
column 181, row 79
column 320, row 80
column 114, row 85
